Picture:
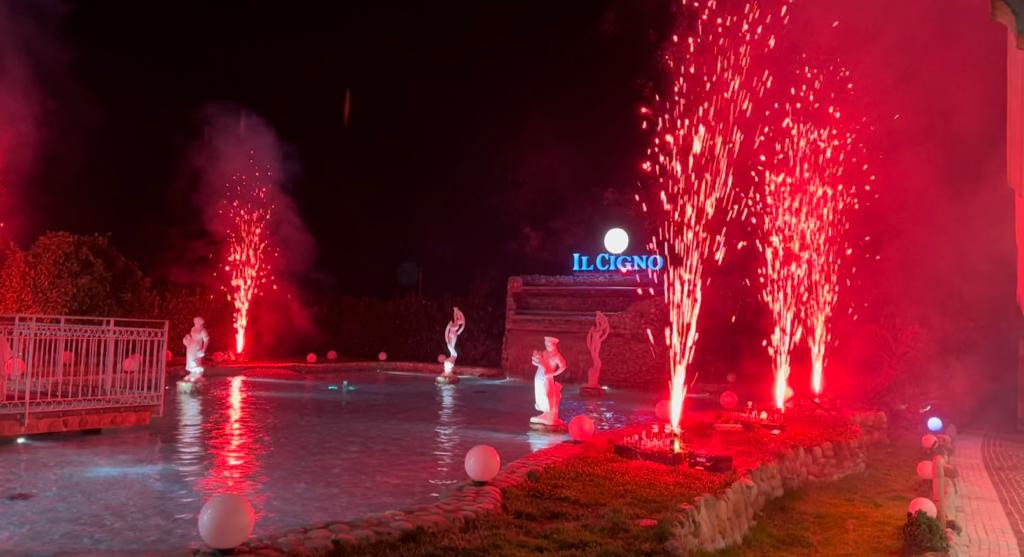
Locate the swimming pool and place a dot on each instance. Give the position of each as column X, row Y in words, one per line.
column 303, row 451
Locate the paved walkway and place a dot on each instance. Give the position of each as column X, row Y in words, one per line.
column 985, row 496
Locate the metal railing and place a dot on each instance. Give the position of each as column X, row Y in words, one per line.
column 61, row 363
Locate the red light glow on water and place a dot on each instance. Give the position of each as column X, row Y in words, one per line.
column 697, row 133
column 249, row 252
column 802, row 211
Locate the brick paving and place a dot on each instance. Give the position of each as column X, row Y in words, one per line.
column 987, row 493
column 1004, row 462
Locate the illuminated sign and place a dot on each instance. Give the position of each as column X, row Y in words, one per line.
column 609, row 262
column 616, row 241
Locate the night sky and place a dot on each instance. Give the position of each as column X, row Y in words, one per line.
column 489, row 139
column 485, row 138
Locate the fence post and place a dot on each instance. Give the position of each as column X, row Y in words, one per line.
column 939, row 487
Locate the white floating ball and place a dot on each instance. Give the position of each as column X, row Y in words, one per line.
column 132, row 363
column 332, row 355
column 14, row 367
column 441, row 358
column 226, row 521
column 923, row 504
column 928, row 441
column 168, row 356
column 935, row 424
column 482, row 463
column 382, row 356
column 581, row 428
column 728, row 400
column 925, row 468
column 662, row 410
column 311, row 358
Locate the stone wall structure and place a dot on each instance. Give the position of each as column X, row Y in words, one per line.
column 564, row 307
column 1011, row 14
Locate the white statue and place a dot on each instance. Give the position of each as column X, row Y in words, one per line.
column 547, row 393
column 195, row 348
column 595, row 337
column 451, row 334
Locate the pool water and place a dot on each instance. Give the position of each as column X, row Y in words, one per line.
column 302, row 451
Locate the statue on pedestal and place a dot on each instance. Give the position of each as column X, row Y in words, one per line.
column 547, row 393
column 597, row 334
column 451, row 334
column 195, row 348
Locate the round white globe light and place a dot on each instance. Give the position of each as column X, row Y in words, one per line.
column 923, row 504
column 616, row 240
column 935, row 424
column 482, row 463
column 226, row 521
column 925, row 469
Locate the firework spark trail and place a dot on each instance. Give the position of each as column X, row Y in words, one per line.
column 803, row 208
column 696, row 142
column 249, row 252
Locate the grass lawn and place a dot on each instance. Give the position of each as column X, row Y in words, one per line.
column 590, row 506
column 857, row 515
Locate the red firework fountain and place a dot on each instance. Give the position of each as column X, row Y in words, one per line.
column 696, row 141
column 248, row 211
column 803, row 208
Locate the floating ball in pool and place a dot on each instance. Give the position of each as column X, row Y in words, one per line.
column 662, row 410
column 382, row 356
column 928, row 441
column 482, row 463
column 925, row 469
column 226, row 521
column 14, row 367
column 132, row 363
column 935, row 424
column 311, row 358
column 728, row 400
column 923, row 504
column 332, row 355
column 581, row 428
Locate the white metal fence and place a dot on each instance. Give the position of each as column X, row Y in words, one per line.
column 51, row 364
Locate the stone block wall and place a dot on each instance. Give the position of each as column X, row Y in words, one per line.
column 565, row 306
column 715, row 522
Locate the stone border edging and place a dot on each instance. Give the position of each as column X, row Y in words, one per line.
column 716, row 522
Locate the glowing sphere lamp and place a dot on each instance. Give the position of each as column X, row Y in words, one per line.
column 311, row 358
column 482, row 463
column 923, row 504
column 616, row 240
column 928, row 441
column 332, row 355
column 925, row 469
column 934, row 424
column 226, row 521
column 382, row 356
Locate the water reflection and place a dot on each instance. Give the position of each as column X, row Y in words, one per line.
column 540, row 440
column 447, row 434
column 219, row 452
column 188, row 457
